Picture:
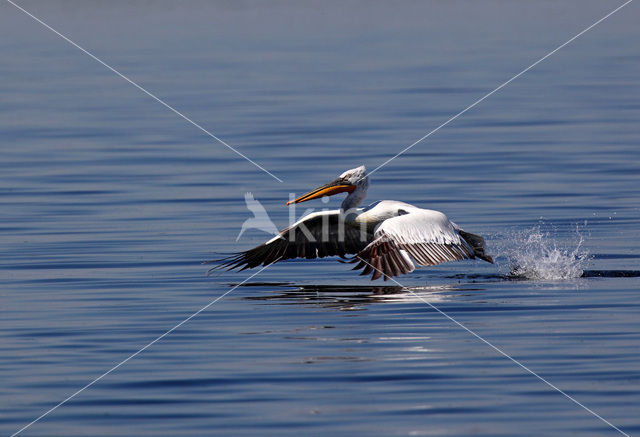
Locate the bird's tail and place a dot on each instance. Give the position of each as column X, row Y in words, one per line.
column 477, row 244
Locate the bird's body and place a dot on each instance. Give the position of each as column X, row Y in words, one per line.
column 387, row 238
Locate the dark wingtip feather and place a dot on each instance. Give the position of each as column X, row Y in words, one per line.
column 229, row 262
column 377, row 266
column 359, row 266
column 478, row 245
column 487, row 258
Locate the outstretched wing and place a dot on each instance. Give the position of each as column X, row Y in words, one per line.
column 426, row 236
column 317, row 235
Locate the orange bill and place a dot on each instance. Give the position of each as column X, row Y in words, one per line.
column 335, row 187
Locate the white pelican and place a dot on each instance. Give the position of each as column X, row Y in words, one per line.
column 387, row 237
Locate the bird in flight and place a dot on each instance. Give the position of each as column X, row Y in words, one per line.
column 387, row 238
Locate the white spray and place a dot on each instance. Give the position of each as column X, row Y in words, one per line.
column 536, row 255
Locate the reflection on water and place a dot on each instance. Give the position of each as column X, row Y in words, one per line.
column 350, row 297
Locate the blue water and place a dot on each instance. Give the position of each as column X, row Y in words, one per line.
column 110, row 202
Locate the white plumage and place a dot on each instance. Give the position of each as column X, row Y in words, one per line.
column 387, row 238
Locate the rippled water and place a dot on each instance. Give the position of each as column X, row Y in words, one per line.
column 110, row 202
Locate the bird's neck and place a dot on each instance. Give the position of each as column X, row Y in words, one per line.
column 356, row 197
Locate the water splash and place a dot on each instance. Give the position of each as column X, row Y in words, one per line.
column 535, row 254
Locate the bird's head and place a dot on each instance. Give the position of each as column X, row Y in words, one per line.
column 347, row 182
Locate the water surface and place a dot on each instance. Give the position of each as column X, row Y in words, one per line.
column 110, row 202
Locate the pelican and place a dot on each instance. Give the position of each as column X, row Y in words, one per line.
column 387, row 238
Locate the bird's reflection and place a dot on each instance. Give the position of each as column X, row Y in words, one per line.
column 351, row 297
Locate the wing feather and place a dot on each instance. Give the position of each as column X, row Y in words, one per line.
column 317, row 235
column 427, row 237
